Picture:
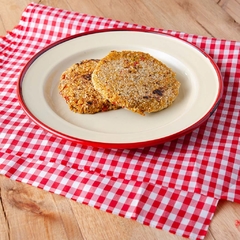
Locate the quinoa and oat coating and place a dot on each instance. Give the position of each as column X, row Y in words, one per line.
column 135, row 81
column 76, row 88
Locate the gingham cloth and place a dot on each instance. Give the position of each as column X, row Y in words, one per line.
column 174, row 186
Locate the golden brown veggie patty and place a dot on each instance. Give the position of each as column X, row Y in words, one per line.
column 136, row 81
column 77, row 89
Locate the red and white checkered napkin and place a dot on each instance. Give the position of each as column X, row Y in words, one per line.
column 175, row 186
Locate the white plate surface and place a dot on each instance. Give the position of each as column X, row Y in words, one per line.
column 200, row 91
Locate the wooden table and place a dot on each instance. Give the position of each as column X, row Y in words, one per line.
column 30, row 213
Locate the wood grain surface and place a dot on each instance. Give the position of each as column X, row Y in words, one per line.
column 30, row 213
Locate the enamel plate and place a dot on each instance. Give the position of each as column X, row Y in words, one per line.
column 200, row 91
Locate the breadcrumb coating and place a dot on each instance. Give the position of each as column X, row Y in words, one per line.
column 135, row 81
column 76, row 88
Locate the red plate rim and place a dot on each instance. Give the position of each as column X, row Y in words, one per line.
column 117, row 145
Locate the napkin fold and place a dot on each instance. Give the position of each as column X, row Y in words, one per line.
column 174, row 186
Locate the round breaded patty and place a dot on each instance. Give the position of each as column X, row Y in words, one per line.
column 136, row 81
column 76, row 88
